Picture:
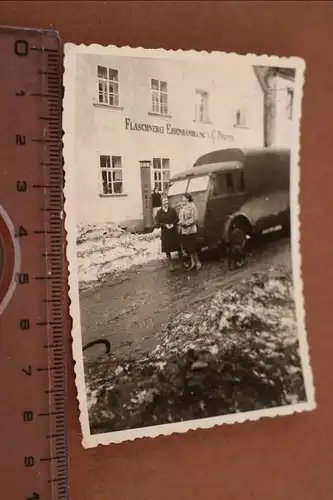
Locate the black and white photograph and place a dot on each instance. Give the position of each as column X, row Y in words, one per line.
column 182, row 174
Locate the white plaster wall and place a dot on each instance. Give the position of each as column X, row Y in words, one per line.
column 101, row 130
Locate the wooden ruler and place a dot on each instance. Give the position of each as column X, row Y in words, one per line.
column 33, row 458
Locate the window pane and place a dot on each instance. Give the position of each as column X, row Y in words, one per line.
column 118, row 187
column 117, row 175
column 201, row 106
column 102, row 95
column 239, row 182
column 178, row 187
column 113, row 74
column 156, row 107
column 198, row 184
column 116, row 162
column 163, row 86
column 154, row 84
column 113, row 100
column 102, row 72
column 164, row 98
column 155, row 102
column 166, row 163
column 156, row 162
column 164, row 109
column 100, row 92
column 105, row 161
column 104, row 177
column 107, row 188
column 240, row 118
column 113, row 88
column 290, row 104
column 166, row 175
column 220, row 185
column 230, row 183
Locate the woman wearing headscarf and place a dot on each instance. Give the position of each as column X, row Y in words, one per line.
column 167, row 220
column 188, row 217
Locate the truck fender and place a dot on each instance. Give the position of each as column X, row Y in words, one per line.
column 240, row 219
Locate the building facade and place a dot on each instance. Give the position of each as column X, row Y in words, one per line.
column 163, row 111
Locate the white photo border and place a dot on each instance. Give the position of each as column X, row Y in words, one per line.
column 69, row 109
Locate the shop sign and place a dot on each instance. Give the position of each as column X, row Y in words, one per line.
column 168, row 129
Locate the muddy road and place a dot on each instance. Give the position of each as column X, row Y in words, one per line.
column 133, row 309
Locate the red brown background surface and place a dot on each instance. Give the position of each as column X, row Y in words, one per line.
column 287, row 458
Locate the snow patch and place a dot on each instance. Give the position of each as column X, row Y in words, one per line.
column 106, row 248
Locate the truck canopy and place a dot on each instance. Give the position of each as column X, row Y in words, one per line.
column 239, row 155
column 265, row 169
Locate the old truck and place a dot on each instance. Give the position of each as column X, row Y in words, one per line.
column 243, row 188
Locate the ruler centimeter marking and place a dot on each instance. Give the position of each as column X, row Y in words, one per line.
column 32, row 336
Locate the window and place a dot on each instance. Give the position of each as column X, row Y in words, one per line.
column 240, row 118
column 178, row 187
column 230, row 182
column 239, row 182
column 201, row 106
column 108, row 86
column 198, row 184
column 159, row 96
column 290, row 102
column 224, row 184
column 112, row 174
column 161, row 173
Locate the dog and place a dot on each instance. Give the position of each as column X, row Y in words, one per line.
column 236, row 249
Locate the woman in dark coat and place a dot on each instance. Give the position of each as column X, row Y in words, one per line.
column 167, row 220
column 156, row 201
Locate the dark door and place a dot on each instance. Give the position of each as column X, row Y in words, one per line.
column 147, row 208
column 227, row 193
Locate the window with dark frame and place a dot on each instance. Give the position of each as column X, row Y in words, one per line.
column 159, row 96
column 161, row 173
column 108, row 86
column 112, row 174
